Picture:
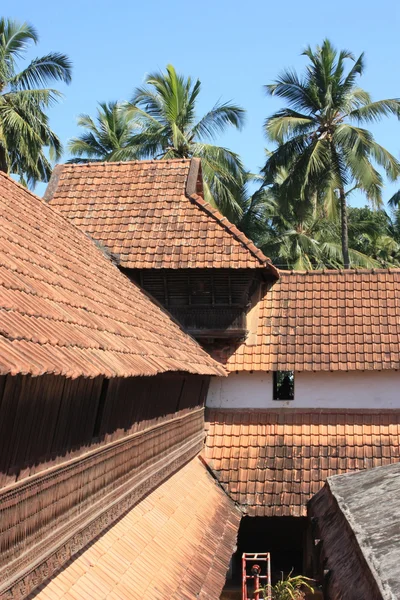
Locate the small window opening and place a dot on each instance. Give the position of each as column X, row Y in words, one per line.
column 283, row 385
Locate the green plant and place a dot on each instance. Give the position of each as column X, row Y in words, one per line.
column 321, row 144
column 107, row 139
column 298, row 236
column 289, row 588
column 24, row 99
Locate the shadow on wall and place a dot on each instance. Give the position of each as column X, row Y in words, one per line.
column 283, row 537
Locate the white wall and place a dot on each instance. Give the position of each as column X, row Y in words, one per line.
column 353, row 389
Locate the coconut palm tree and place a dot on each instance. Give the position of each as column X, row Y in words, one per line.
column 106, row 139
column 24, row 99
column 321, row 143
column 298, row 236
column 165, row 111
column 375, row 233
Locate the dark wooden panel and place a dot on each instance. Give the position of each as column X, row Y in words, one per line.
column 45, row 420
column 197, row 287
column 199, row 320
column 23, row 431
column 9, row 407
column 209, row 303
column 42, row 509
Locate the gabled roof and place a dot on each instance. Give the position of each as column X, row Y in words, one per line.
column 357, row 519
column 323, row 321
column 271, row 462
column 66, row 309
column 175, row 544
column 151, row 215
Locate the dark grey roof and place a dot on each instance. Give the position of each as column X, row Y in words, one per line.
column 370, row 501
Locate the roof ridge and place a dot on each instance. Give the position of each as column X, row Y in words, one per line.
column 124, row 162
column 339, row 271
column 233, row 230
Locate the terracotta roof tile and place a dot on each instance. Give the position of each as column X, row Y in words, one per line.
column 150, row 214
column 276, row 472
column 65, row 309
column 324, row 321
column 175, row 544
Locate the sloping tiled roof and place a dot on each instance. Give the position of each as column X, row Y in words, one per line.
column 175, row 544
column 324, row 321
column 356, row 518
column 65, row 309
column 150, row 215
column 272, row 462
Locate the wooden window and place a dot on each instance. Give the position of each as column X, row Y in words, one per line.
column 283, row 385
column 201, row 289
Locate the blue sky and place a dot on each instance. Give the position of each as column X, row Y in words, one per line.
column 234, row 48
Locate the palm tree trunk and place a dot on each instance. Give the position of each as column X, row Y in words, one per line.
column 3, row 160
column 345, row 235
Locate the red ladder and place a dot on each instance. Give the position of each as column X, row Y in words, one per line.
column 254, row 562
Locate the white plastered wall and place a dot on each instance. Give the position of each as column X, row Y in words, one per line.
column 353, row 389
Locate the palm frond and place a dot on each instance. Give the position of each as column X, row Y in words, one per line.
column 284, row 156
column 15, row 38
column 361, row 260
column 330, row 200
column 108, row 138
column 224, row 177
column 316, row 164
column 152, row 143
column 374, row 111
column 394, row 200
column 386, row 160
column 355, row 98
column 368, row 178
column 291, row 88
column 217, row 119
column 355, row 71
column 286, row 123
column 54, row 66
column 33, row 99
column 87, row 145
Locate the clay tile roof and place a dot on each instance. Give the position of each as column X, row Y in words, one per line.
column 66, row 309
column 323, row 321
column 175, row 544
column 151, row 215
column 272, row 462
